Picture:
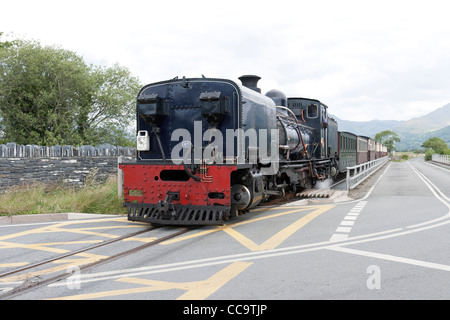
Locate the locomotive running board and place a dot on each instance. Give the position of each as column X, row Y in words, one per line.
column 182, row 215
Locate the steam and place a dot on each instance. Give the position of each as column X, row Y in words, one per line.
column 326, row 184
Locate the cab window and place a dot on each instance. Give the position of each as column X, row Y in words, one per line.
column 312, row 111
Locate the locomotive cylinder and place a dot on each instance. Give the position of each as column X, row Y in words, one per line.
column 293, row 137
column 288, row 135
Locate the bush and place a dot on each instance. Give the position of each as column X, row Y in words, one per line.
column 428, row 154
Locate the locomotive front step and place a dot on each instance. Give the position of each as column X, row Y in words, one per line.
column 181, row 215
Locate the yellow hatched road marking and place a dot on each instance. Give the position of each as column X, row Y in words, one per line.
column 49, row 247
column 85, row 258
column 195, row 290
column 57, row 228
column 13, row 264
column 31, row 246
column 220, row 228
column 270, row 243
column 279, row 237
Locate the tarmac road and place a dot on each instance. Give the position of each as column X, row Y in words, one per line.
column 392, row 243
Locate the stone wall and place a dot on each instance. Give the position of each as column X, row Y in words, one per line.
column 22, row 165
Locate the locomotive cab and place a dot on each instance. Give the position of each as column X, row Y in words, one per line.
column 314, row 114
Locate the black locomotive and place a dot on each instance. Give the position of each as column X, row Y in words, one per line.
column 210, row 149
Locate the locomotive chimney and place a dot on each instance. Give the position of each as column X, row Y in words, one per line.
column 251, row 82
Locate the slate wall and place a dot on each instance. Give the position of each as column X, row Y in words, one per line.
column 70, row 165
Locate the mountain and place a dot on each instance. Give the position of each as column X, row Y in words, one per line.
column 367, row 128
column 438, row 119
column 412, row 132
column 412, row 141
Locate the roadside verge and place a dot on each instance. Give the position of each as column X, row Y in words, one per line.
column 51, row 217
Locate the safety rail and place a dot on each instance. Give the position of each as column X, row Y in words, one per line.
column 441, row 158
column 362, row 171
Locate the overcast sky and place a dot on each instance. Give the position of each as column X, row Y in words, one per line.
column 387, row 60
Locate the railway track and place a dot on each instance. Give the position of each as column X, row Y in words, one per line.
column 322, row 192
column 33, row 282
column 37, row 282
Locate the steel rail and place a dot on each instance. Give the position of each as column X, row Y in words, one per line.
column 65, row 255
column 30, row 285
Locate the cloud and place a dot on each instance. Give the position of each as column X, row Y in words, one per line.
column 365, row 60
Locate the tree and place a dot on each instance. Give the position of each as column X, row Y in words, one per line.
column 387, row 138
column 50, row 96
column 112, row 110
column 438, row 145
column 5, row 44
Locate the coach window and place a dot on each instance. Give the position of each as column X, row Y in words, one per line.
column 312, row 111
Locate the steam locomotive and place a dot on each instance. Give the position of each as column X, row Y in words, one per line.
column 211, row 149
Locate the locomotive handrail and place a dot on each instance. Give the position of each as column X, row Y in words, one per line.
column 441, row 158
column 362, row 171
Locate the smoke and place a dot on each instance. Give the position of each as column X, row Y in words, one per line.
column 326, row 184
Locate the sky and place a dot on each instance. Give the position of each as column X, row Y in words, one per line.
column 366, row 60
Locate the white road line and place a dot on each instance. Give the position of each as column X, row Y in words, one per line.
column 251, row 256
column 438, row 195
column 389, row 257
column 431, row 164
column 343, row 229
column 331, row 245
column 435, row 190
column 338, row 237
column 347, row 223
column 376, row 182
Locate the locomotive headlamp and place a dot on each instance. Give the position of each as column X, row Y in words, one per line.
column 143, row 141
column 151, row 108
column 213, row 106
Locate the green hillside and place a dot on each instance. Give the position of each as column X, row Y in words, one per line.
column 412, row 132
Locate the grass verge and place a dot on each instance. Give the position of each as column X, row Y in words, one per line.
column 94, row 197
